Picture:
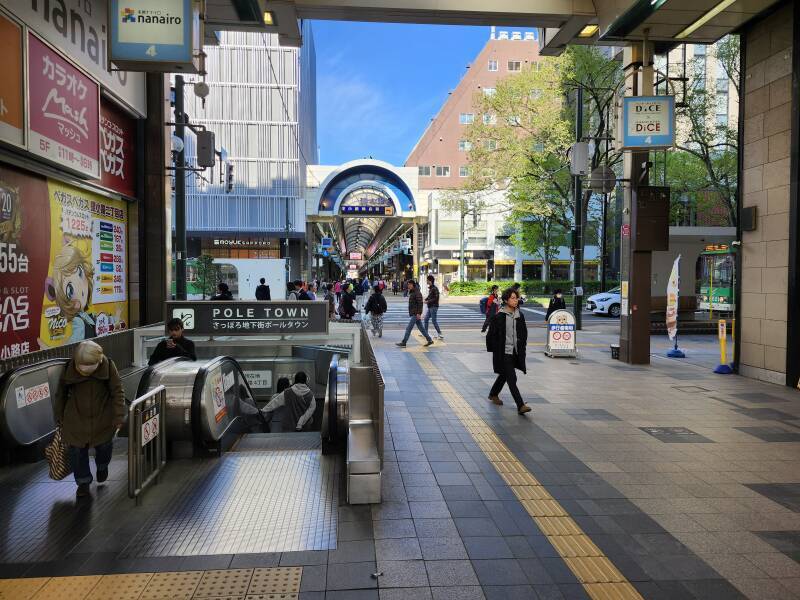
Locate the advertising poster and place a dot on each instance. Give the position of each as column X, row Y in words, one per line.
column 64, row 107
column 12, row 117
column 86, row 287
column 117, row 149
column 24, row 256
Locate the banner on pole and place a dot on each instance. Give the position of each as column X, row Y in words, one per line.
column 672, row 299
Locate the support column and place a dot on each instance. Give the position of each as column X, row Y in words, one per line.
column 310, row 251
column 635, row 272
column 155, row 210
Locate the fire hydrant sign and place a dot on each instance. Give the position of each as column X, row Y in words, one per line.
column 648, row 122
column 561, row 334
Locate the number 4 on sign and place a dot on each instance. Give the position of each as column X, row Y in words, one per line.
column 151, row 51
column 648, row 139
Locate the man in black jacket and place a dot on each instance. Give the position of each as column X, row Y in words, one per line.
column 262, row 290
column 174, row 345
column 432, row 302
column 415, row 304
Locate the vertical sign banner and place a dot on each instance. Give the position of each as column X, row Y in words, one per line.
column 12, row 116
column 64, row 107
column 117, row 149
column 86, row 287
column 672, row 299
column 24, row 245
column 648, row 122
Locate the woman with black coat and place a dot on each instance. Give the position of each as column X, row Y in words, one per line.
column 556, row 303
column 507, row 340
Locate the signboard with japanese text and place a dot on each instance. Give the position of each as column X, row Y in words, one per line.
column 32, row 395
column 150, row 429
column 648, row 122
column 561, row 334
column 155, row 35
column 63, row 269
column 64, row 106
column 12, row 102
column 78, row 28
column 117, row 149
column 250, row 318
column 259, row 379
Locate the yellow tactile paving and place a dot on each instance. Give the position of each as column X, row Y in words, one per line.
column 172, row 585
column 120, row 587
column 68, row 588
column 21, row 589
column 273, row 597
column 224, row 582
column 277, row 580
column 599, row 576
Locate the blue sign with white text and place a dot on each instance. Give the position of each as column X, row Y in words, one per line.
column 648, row 122
column 151, row 30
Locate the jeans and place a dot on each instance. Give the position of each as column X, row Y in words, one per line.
column 509, row 376
column 431, row 316
column 418, row 322
column 79, row 457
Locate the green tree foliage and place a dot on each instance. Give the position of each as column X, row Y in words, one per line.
column 208, row 274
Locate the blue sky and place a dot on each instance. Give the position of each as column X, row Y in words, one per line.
column 379, row 85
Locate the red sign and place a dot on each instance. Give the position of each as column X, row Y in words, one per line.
column 626, row 230
column 64, row 111
column 117, row 150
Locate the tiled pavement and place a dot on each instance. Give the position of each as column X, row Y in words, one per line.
column 686, row 482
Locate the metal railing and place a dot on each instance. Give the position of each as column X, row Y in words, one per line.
column 147, row 440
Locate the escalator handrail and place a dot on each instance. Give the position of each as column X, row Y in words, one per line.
column 329, row 410
column 144, row 382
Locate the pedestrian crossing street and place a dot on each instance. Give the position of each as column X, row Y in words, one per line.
column 449, row 314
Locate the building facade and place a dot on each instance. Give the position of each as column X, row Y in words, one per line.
column 262, row 109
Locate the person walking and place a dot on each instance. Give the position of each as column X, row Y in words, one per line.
column 292, row 292
column 347, row 309
column 223, row 292
column 312, row 291
column 299, row 402
column 302, row 290
column 415, row 304
column 90, row 408
column 556, row 303
column 358, row 291
column 262, row 290
column 394, row 287
column 330, row 299
column 337, row 289
column 432, row 302
column 507, row 340
column 492, row 306
column 375, row 308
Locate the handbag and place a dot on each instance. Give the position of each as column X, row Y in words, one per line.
column 57, row 454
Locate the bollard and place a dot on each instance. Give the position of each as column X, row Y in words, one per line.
column 723, row 368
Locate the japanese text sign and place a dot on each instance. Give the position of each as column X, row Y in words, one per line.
column 250, row 318
column 648, row 122
column 117, row 149
column 561, row 334
column 64, row 111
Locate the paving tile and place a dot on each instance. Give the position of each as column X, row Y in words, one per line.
column 499, row 572
column 429, row 510
column 255, row 560
column 469, row 527
column 458, row 593
column 509, row 592
column 394, row 528
column 352, row 552
column 405, row 594
column 351, row 576
column 459, row 492
column 352, row 595
column 355, row 530
column 435, row 528
column 314, row 578
column 449, row 573
column 402, row 573
column 442, row 548
column 467, row 508
column 775, row 564
column 397, row 549
column 299, row 559
column 487, row 548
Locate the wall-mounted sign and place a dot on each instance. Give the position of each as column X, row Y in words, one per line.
column 326, row 242
column 12, row 115
column 242, row 243
column 155, row 35
column 117, row 149
column 78, row 28
column 250, row 318
column 64, row 107
column 356, row 256
column 648, row 122
column 368, row 210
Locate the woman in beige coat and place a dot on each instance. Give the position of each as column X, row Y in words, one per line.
column 90, row 407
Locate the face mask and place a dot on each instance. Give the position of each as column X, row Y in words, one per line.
column 558, row 295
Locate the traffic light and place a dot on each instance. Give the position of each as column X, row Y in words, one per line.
column 228, row 178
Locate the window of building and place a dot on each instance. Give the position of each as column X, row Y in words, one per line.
column 514, row 65
column 424, row 171
column 466, row 118
column 722, row 85
column 538, row 147
column 722, row 120
column 443, row 171
column 493, row 65
column 463, row 171
column 699, row 50
column 448, row 231
column 721, row 102
column 490, row 119
column 559, row 272
column 464, row 145
column 489, row 91
column 514, row 121
column 490, row 144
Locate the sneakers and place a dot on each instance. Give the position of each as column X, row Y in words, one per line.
column 102, row 475
column 441, row 337
column 380, row 334
column 83, row 490
column 495, row 400
column 429, row 343
column 524, row 409
column 401, row 344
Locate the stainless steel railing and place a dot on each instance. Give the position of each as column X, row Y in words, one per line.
column 147, row 440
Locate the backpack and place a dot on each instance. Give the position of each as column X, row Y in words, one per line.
column 483, row 303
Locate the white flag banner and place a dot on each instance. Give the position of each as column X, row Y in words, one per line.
column 672, row 299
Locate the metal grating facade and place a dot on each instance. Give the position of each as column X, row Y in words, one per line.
column 262, row 110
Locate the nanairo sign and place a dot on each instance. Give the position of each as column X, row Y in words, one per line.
column 648, row 122
column 250, row 318
column 155, row 35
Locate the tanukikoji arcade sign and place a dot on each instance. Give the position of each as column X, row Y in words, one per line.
column 250, row 318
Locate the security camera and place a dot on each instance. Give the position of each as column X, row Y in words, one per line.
column 176, row 143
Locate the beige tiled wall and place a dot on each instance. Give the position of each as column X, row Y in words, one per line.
column 765, row 184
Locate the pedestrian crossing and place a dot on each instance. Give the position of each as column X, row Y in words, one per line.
column 448, row 315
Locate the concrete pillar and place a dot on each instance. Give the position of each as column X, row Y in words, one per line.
column 517, row 265
column 309, row 269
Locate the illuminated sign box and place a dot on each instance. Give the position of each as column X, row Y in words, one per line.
column 155, row 35
column 648, row 122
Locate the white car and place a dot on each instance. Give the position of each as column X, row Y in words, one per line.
column 605, row 303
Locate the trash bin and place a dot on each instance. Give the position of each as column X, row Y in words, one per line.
column 615, row 351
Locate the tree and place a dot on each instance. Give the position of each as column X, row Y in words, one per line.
column 464, row 203
column 208, row 274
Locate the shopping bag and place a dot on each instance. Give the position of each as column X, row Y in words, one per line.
column 57, row 454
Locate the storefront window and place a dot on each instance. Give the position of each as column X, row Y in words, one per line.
column 504, row 272
column 531, row 271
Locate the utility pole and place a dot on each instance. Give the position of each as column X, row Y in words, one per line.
column 603, row 245
column 462, row 276
column 577, row 303
column 180, row 194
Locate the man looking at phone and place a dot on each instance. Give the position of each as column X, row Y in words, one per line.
column 174, row 345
